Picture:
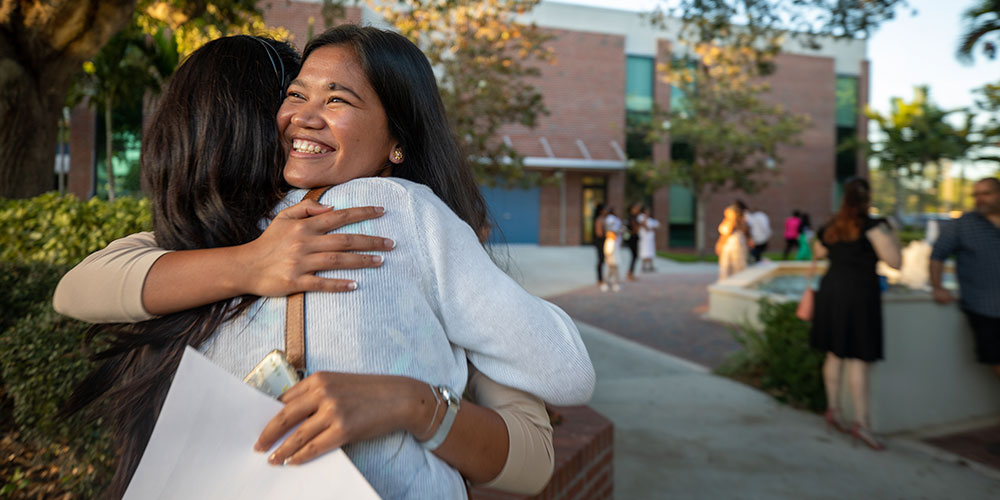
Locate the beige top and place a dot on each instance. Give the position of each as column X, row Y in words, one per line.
column 107, row 287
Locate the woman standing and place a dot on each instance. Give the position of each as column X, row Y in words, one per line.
column 612, row 242
column 847, row 324
column 732, row 244
column 600, row 212
column 634, row 224
column 647, row 240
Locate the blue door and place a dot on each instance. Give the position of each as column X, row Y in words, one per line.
column 514, row 212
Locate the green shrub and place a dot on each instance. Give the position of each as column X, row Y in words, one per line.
column 777, row 357
column 63, row 229
column 42, row 361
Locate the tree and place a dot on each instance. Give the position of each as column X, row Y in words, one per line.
column 43, row 44
column 729, row 134
column 914, row 137
column 484, row 59
column 123, row 70
column 981, row 21
column 806, row 20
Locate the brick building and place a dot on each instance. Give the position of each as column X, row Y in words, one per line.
column 604, row 72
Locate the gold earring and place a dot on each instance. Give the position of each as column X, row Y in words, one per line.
column 397, row 155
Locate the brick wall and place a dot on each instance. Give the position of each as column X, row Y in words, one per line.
column 805, row 179
column 295, row 17
column 584, row 91
column 584, row 460
column 661, row 150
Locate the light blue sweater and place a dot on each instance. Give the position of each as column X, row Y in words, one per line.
column 437, row 301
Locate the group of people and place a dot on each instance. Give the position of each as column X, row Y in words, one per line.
column 425, row 377
column 638, row 232
column 744, row 234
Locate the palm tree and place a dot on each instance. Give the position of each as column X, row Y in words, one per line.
column 980, row 21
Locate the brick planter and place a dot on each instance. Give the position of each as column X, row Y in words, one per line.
column 584, row 444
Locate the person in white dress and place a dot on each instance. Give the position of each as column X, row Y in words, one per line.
column 732, row 244
column 647, row 239
column 613, row 229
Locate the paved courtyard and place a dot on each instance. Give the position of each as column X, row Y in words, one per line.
column 682, row 432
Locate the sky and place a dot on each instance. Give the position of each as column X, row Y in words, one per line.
column 907, row 51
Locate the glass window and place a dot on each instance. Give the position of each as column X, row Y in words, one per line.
column 847, row 101
column 639, row 84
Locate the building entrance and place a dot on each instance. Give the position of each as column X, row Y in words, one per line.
column 595, row 191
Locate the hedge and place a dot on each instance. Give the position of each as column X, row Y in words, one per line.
column 40, row 238
column 777, row 357
column 63, row 229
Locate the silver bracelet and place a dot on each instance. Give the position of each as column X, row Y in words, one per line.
column 454, row 402
column 437, row 406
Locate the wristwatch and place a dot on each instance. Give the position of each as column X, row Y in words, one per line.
column 453, row 402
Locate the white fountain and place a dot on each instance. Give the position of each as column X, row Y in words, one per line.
column 929, row 376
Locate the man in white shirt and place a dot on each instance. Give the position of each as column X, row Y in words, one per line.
column 760, row 232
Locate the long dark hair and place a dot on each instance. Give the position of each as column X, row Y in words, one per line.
column 404, row 82
column 846, row 224
column 211, row 164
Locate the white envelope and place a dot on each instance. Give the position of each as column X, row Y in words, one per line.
column 202, row 447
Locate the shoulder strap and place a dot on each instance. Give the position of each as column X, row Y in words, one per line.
column 295, row 314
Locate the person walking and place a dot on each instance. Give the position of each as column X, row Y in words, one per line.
column 647, row 240
column 847, row 321
column 731, row 246
column 792, row 224
column 600, row 212
column 974, row 241
column 760, row 232
column 635, row 224
column 613, row 228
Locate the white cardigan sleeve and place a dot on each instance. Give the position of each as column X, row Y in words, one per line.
column 513, row 337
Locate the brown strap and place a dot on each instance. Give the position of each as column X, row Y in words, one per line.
column 295, row 314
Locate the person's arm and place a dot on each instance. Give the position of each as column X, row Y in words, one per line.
column 510, row 447
column 133, row 280
column 819, row 250
column 886, row 244
column 515, row 338
column 944, row 247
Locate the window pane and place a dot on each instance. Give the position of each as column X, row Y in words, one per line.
column 638, row 83
column 847, row 101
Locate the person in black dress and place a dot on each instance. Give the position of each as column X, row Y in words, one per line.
column 632, row 241
column 847, row 321
column 600, row 212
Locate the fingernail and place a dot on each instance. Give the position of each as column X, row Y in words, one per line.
column 287, row 461
column 380, row 210
column 377, row 259
column 389, row 243
column 352, row 285
column 258, row 448
column 273, row 459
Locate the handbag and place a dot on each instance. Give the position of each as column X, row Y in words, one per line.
column 295, row 313
column 807, row 303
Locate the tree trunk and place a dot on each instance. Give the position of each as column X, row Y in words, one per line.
column 699, row 223
column 29, row 136
column 37, row 62
column 108, row 150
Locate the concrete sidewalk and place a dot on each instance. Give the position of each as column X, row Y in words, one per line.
column 681, row 432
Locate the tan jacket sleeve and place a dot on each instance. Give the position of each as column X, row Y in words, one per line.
column 530, row 456
column 106, row 287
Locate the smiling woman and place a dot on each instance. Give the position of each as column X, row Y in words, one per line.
column 387, row 361
column 334, row 122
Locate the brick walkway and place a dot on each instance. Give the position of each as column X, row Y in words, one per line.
column 662, row 311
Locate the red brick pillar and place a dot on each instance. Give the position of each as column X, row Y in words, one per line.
column 82, row 135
